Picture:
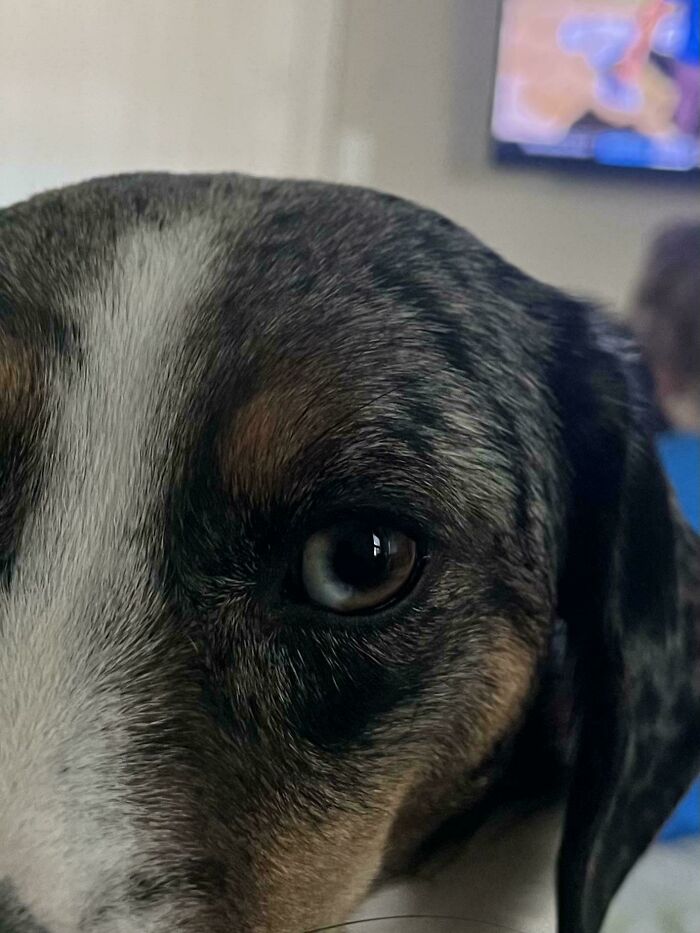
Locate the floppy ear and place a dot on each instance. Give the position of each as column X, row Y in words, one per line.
column 629, row 598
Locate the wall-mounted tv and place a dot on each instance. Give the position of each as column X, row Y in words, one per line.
column 613, row 82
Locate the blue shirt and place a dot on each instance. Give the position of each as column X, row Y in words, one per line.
column 680, row 455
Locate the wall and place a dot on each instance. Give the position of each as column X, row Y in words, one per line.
column 90, row 87
column 413, row 115
column 391, row 93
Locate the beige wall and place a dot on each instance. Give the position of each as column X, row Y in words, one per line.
column 391, row 93
column 91, row 87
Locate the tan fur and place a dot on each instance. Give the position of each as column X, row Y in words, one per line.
column 511, row 667
column 17, row 380
column 270, row 432
column 440, row 788
column 341, row 859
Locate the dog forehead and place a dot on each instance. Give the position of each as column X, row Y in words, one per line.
column 258, row 242
column 310, row 302
column 290, row 260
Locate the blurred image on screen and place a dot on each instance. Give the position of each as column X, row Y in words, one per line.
column 615, row 82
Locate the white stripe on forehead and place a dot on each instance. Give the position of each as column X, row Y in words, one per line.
column 115, row 415
column 77, row 612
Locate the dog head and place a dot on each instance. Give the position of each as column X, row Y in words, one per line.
column 297, row 482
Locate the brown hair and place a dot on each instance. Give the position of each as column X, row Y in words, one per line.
column 666, row 307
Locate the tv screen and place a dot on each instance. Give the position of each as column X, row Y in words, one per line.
column 614, row 82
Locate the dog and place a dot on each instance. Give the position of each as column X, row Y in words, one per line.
column 325, row 533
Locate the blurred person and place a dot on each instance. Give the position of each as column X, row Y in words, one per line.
column 665, row 317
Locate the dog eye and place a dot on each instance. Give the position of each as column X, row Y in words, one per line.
column 357, row 566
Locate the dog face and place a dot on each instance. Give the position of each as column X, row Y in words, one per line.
column 297, row 480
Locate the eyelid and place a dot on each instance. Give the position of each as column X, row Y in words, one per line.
column 385, row 514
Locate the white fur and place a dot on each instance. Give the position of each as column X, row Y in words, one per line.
column 80, row 614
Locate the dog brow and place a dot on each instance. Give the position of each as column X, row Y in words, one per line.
column 271, row 430
column 17, row 378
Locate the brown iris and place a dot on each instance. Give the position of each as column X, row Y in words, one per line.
column 357, row 566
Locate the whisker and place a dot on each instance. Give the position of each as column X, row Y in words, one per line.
column 451, row 918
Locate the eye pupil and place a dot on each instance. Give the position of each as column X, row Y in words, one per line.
column 360, row 559
column 355, row 566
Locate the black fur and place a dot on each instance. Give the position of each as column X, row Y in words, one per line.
column 402, row 372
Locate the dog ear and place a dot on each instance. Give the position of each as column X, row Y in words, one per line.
column 631, row 610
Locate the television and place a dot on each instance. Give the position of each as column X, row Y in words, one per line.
column 607, row 82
